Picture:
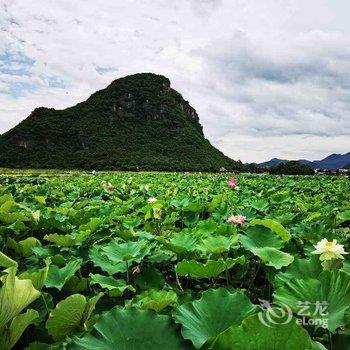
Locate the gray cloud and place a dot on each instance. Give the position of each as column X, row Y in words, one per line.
column 297, row 92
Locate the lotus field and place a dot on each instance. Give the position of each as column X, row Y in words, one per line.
column 171, row 261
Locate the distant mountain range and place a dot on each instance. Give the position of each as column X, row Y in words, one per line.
column 333, row 161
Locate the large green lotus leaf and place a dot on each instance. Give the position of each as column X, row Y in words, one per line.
column 132, row 329
column 129, row 251
column 274, row 226
column 182, row 243
column 178, row 203
column 260, row 204
column 190, row 218
column 149, row 278
column 207, row 227
column 332, row 287
column 101, row 261
column 216, row 202
column 18, row 226
column 84, row 234
column 26, row 246
column 280, row 197
column 66, row 316
column 212, row 268
column 87, row 229
column 115, row 287
column 90, row 307
column 6, row 202
column 13, row 244
column 46, row 252
column 252, row 334
column 194, row 207
column 300, row 268
column 15, row 295
column 57, row 277
column 38, row 277
column 260, row 237
column 217, row 244
column 273, row 257
column 225, row 229
column 285, row 218
column 19, row 323
column 156, row 300
column 207, row 317
column 6, row 261
column 75, row 285
column 92, row 225
column 8, row 217
column 65, row 241
column 160, row 256
column 310, row 231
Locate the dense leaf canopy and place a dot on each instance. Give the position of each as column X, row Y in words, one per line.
column 125, row 260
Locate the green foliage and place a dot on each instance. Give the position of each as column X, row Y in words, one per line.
column 253, row 335
column 212, row 314
column 132, row 329
column 15, row 295
column 118, row 252
column 274, row 226
column 89, row 267
column 156, row 300
column 5, row 261
column 210, row 269
column 292, row 168
column 260, row 237
column 115, row 287
column 273, row 257
column 332, row 287
column 57, row 277
column 10, row 336
column 66, row 316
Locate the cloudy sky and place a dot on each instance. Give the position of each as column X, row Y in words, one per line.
column 269, row 78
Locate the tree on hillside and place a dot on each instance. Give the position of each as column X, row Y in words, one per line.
column 292, row 168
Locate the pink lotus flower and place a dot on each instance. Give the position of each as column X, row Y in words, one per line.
column 232, row 182
column 236, row 219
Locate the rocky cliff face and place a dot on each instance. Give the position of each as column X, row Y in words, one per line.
column 137, row 121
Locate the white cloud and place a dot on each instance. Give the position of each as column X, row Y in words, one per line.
column 268, row 78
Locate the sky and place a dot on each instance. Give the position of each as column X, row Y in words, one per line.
column 268, row 78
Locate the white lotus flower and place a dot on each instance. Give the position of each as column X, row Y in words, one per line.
column 151, row 200
column 329, row 250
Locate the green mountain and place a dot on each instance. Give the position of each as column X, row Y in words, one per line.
column 138, row 121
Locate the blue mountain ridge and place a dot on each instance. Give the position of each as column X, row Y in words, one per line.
column 333, row 161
